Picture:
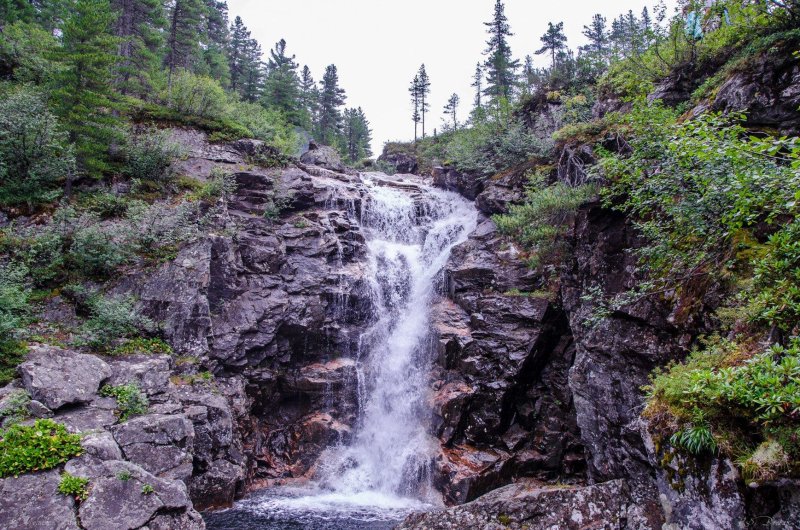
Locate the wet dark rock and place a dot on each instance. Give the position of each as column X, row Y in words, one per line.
column 768, row 90
column 450, row 179
column 404, row 163
column 58, row 377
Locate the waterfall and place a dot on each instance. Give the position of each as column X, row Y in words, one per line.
column 410, row 231
column 384, row 471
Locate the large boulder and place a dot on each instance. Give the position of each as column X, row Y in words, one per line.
column 161, row 444
column 401, row 162
column 58, row 377
column 123, row 496
column 32, row 502
column 323, row 156
column 528, row 505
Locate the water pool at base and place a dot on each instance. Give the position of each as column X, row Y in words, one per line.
column 304, row 509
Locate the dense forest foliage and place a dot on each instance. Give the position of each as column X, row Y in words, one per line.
column 715, row 199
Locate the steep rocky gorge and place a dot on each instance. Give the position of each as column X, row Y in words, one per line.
column 536, row 402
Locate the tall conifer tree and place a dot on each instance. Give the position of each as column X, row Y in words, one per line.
column 500, row 65
column 83, row 94
column 331, row 98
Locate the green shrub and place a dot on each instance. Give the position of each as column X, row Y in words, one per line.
column 105, row 205
column 725, row 396
column 14, row 296
column 149, row 156
column 26, row 53
column 34, row 155
column 699, row 191
column 112, row 319
column 142, row 345
column 264, row 124
column 38, row 447
column 15, row 408
column 540, row 224
column 131, row 401
column 147, row 489
column 96, row 252
column 195, row 95
column 777, row 281
column 75, row 487
column 221, row 185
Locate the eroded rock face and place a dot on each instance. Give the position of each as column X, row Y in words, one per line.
column 502, row 405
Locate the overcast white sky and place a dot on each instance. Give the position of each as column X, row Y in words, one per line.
column 378, row 45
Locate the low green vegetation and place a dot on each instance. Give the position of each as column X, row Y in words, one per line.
column 148, row 489
column 15, row 408
column 140, row 345
column 541, row 223
column 131, row 401
column 111, row 319
column 75, row 487
column 38, row 447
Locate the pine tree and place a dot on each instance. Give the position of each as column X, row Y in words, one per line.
column 528, row 73
column 309, row 98
column 282, row 86
column 424, row 89
column 331, row 98
column 240, row 37
column 15, row 10
column 414, row 90
column 553, row 41
column 253, row 73
column 500, row 66
column 357, row 135
column 477, row 84
column 83, row 95
column 451, row 109
column 184, row 35
column 139, row 27
column 217, row 42
column 597, row 33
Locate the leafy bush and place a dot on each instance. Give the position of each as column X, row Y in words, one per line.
column 34, row 155
column 97, row 252
column 195, row 95
column 105, row 205
column 541, row 222
column 75, row 487
column 220, row 185
column 777, row 281
column 697, row 189
column 149, row 156
column 142, row 345
column 38, row 447
column 15, row 408
column 130, row 399
column 13, row 299
column 264, row 124
column 112, row 319
column 490, row 146
column 743, row 397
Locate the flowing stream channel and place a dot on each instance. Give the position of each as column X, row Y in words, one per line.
column 385, row 471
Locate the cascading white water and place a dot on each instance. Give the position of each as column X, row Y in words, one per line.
column 410, row 232
column 384, row 471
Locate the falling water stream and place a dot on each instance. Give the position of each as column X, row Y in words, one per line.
column 384, row 472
